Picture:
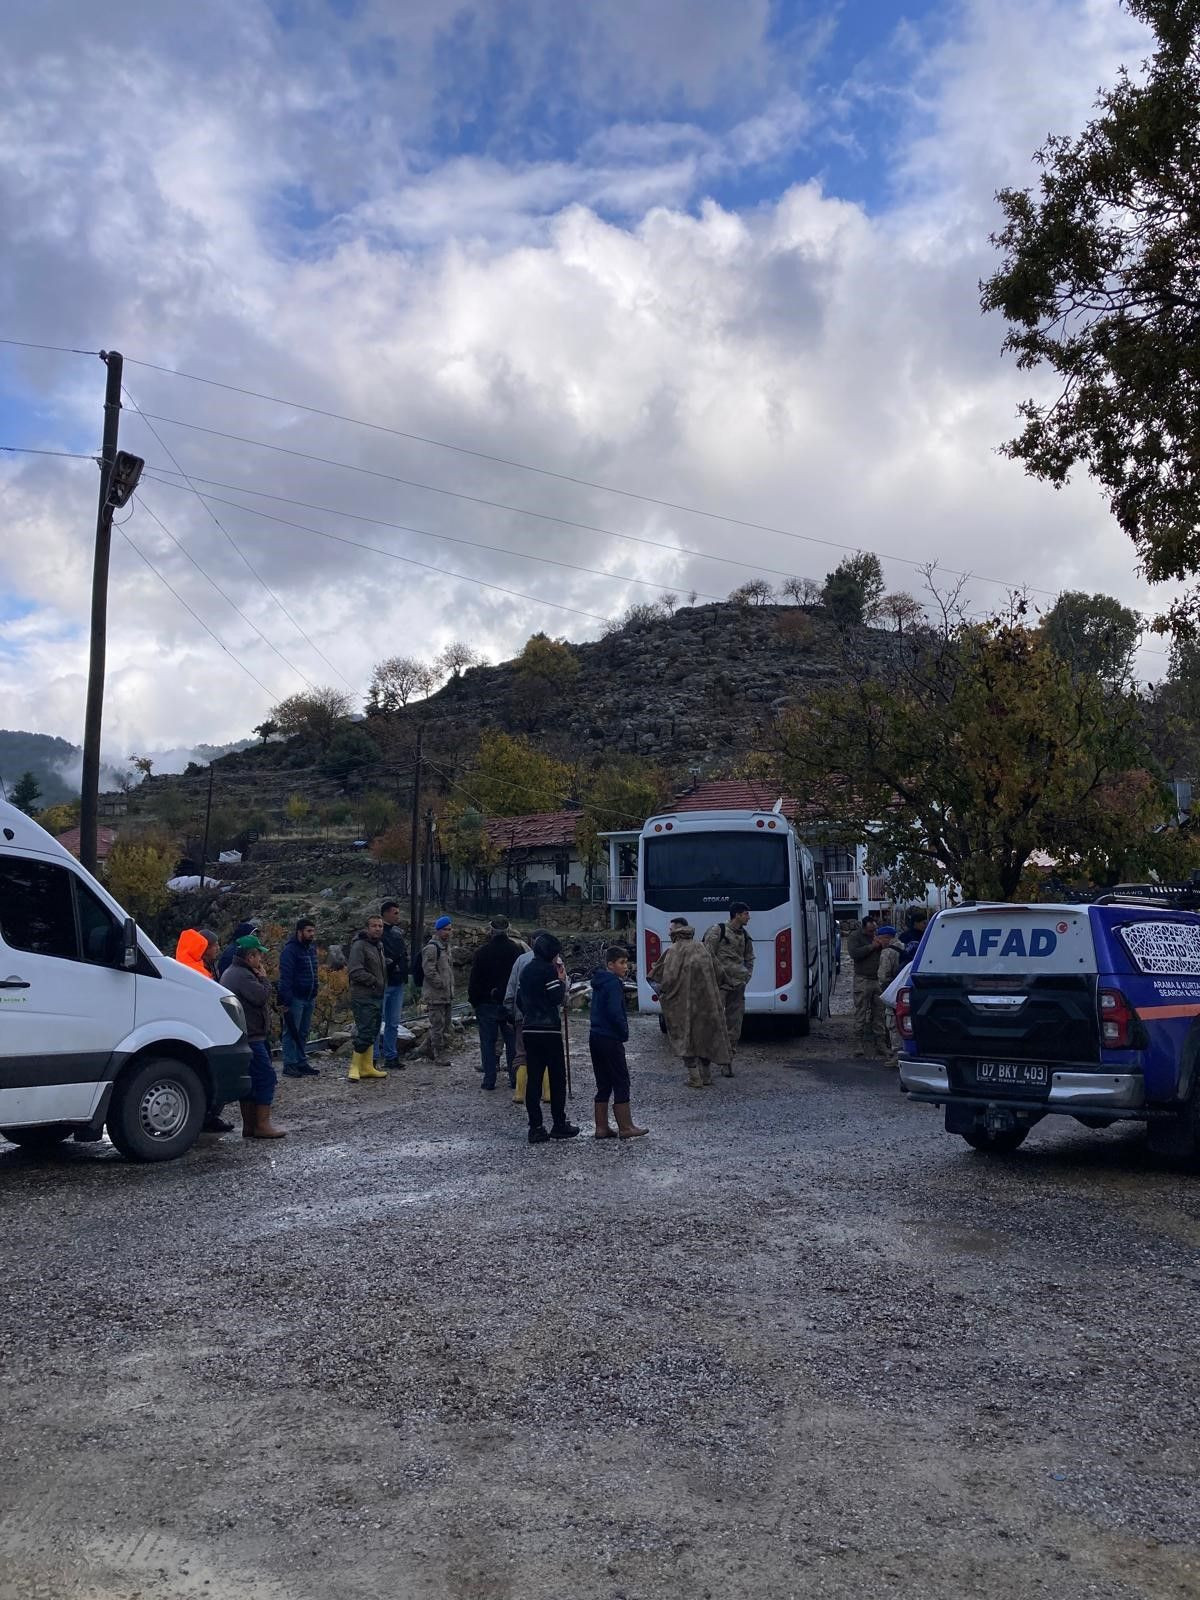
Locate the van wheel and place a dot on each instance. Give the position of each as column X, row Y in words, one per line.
column 157, row 1111
column 44, row 1136
column 996, row 1144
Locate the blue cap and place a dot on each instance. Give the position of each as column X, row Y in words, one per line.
column 886, row 932
column 444, row 922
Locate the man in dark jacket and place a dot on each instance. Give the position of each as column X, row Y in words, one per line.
column 541, row 993
column 395, row 955
column 367, row 972
column 490, row 972
column 608, row 1032
column 247, row 978
column 297, row 995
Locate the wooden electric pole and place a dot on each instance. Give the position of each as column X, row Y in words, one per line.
column 414, row 861
column 89, row 799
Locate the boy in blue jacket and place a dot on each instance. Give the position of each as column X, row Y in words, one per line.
column 609, row 1029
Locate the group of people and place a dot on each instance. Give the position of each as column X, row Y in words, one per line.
column 880, row 952
column 701, row 988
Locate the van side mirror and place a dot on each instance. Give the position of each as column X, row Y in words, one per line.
column 130, row 958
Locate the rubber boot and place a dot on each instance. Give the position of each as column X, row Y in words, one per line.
column 522, row 1079
column 355, row 1058
column 706, row 1074
column 545, row 1088
column 248, row 1109
column 625, row 1123
column 693, row 1076
column 264, row 1128
column 603, row 1129
column 367, row 1067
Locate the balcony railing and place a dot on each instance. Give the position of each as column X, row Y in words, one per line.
column 622, row 891
column 851, row 888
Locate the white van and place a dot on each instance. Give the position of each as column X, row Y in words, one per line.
column 98, row 1029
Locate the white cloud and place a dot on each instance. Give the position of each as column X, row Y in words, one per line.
column 800, row 363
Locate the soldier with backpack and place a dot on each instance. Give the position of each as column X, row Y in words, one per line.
column 732, row 950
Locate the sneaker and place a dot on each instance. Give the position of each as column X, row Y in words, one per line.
column 307, row 1070
column 539, row 1135
column 565, row 1130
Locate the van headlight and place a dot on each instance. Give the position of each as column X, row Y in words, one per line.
column 233, row 1008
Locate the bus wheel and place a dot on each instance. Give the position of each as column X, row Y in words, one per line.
column 44, row 1136
column 996, row 1144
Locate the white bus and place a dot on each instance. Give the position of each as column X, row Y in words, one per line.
column 692, row 864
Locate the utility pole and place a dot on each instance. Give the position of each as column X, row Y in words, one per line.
column 426, row 864
column 207, row 820
column 414, row 914
column 89, row 798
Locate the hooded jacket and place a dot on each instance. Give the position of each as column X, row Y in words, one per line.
column 732, row 950
column 395, row 953
column 297, row 971
column 491, row 969
column 608, row 1019
column 229, row 955
column 686, row 979
column 189, row 952
column 366, row 968
column 541, row 991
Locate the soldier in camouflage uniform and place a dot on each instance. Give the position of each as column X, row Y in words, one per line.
column 732, row 950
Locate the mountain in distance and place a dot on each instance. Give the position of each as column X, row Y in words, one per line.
column 56, row 763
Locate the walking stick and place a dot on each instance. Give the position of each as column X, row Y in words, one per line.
column 566, row 1028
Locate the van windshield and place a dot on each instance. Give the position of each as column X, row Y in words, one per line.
column 691, row 871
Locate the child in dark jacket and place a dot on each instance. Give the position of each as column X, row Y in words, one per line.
column 609, row 1029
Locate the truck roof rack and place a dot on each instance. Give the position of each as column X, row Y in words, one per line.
column 1165, row 896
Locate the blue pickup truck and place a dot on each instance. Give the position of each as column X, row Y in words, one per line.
column 1012, row 1013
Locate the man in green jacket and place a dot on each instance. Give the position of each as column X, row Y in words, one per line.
column 732, row 950
column 864, row 948
column 437, row 989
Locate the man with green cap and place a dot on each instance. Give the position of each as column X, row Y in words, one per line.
column 247, row 978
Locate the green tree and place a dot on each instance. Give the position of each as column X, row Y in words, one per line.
column 465, row 841
column 619, row 795
column 971, row 749
column 854, row 589
column 296, row 808
column 1098, row 284
column 26, row 793
column 350, row 751
column 267, row 729
column 377, row 812
column 512, row 777
column 315, row 716
column 136, row 873
column 548, row 660
column 1093, row 633
column 57, row 819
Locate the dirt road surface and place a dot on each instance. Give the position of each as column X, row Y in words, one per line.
column 798, row 1342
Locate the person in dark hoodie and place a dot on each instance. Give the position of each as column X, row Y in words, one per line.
column 229, row 955
column 541, row 993
column 609, row 1029
column 490, row 972
column 247, row 978
column 297, row 990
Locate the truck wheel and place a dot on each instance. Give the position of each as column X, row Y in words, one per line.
column 996, row 1144
column 157, row 1111
column 44, row 1136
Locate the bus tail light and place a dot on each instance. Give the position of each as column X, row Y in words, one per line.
column 653, row 950
column 1117, row 1020
column 783, row 957
column 904, row 1022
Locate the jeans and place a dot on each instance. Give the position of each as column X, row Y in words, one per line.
column 545, row 1053
column 295, row 1046
column 612, row 1073
column 262, row 1073
column 393, row 1007
column 492, row 1026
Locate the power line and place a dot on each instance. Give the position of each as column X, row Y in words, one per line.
column 227, row 598
column 63, row 349
column 66, row 455
column 166, row 583
column 392, row 555
column 425, row 533
column 250, row 568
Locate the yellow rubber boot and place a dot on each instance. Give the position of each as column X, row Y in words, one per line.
column 367, row 1067
column 353, row 1072
column 545, row 1088
column 522, row 1080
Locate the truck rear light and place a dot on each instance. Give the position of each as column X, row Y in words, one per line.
column 1118, row 1020
column 653, row 950
column 904, row 1023
column 783, row 957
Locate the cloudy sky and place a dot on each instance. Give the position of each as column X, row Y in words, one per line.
column 722, row 257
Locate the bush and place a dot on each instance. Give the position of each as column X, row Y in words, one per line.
column 136, row 875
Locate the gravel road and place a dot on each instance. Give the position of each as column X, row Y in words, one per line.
column 798, row 1342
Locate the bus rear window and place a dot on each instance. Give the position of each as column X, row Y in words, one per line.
column 702, row 870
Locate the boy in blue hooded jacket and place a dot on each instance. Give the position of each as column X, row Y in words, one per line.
column 609, row 1029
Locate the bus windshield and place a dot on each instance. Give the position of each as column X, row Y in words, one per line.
column 702, row 871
